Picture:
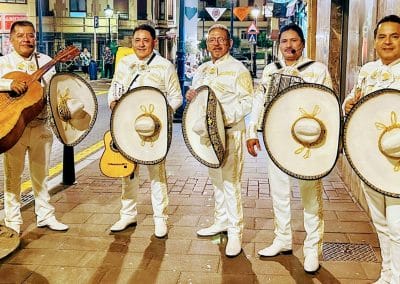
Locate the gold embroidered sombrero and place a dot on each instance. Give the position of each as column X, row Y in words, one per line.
column 9, row 241
column 141, row 125
column 372, row 140
column 74, row 107
column 203, row 128
column 301, row 129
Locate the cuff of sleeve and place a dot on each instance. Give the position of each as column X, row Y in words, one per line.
column 5, row 84
column 251, row 132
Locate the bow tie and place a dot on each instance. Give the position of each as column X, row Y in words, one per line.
column 139, row 67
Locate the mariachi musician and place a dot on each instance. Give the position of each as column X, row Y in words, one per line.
column 37, row 138
column 291, row 45
column 384, row 207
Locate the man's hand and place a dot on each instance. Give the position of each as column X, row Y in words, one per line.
column 252, row 146
column 18, row 86
column 350, row 103
column 191, row 94
column 112, row 104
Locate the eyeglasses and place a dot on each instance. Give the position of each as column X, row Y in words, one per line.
column 220, row 40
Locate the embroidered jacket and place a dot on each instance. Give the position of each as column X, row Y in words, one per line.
column 232, row 85
column 14, row 62
column 315, row 73
column 160, row 73
column 374, row 76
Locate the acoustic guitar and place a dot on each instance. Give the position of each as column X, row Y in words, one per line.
column 112, row 163
column 16, row 111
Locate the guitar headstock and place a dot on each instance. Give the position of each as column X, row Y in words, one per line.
column 67, row 54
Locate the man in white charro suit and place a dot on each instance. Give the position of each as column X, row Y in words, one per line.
column 232, row 85
column 380, row 74
column 155, row 71
column 291, row 45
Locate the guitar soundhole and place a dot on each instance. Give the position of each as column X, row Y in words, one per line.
column 13, row 94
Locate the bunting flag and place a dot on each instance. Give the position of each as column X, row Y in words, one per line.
column 215, row 13
column 190, row 23
column 241, row 12
column 268, row 10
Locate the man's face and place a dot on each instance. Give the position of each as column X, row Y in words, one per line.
column 23, row 40
column 218, row 43
column 387, row 42
column 143, row 44
column 290, row 45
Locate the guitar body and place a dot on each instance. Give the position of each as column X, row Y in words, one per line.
column 17, row 111
column 112, row 163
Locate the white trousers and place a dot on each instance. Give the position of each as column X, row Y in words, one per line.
column 311, row 197
column 385, row 214
column 36, row 141
column 159, row 197
column 227, row 185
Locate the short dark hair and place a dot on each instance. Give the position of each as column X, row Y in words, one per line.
column 145, row 27
column 21, row 23
column 390, row 18
column 293, row 27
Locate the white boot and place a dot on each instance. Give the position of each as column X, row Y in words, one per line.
column 311, row 263
column 213, row 230
column 276, row 248
column 233, row 246
column 160, row 227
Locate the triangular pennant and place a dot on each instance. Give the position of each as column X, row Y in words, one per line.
column 241, row 12
column 215, row 13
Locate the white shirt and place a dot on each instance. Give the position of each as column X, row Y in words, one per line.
column 232, row 85
column 374, row 76
column 160, row 74
column 14, row 62
column 315, row 73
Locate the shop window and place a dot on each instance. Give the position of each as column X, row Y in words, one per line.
column 77, row 8
column 142, row 10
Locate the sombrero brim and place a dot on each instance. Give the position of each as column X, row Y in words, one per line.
column 123, row 132
column 211, row 154
column 9, row 241
column 361, row 140
column 280, row 116
column 73, row 132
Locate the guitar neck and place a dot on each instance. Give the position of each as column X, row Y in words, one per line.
column 38, row 74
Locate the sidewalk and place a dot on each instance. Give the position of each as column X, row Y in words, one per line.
column 89, row 253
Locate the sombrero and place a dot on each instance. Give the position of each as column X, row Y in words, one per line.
column 141, row 125
column 9, row 241
column 372, row 140
column 301, row 130
column 203, row 128
column 74, row 107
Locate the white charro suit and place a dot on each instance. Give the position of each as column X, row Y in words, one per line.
column 161, row 74
column 311, row 191
column 37, row 140
column 385, row 210
column 232, row 85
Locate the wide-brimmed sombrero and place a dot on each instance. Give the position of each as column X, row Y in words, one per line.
column 9, row 241
column 372, row 140
column 203, row 128
column 301, row 130
column 141, row 125
column 74, row 107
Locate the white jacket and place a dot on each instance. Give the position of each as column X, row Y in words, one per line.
column 315, row 73
column 160, row 74
column 232, row 85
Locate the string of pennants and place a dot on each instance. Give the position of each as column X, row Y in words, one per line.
column 242, row 12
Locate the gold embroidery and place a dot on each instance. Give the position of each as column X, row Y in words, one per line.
column 388, row 130
column 157, row 125
column 244, row 81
